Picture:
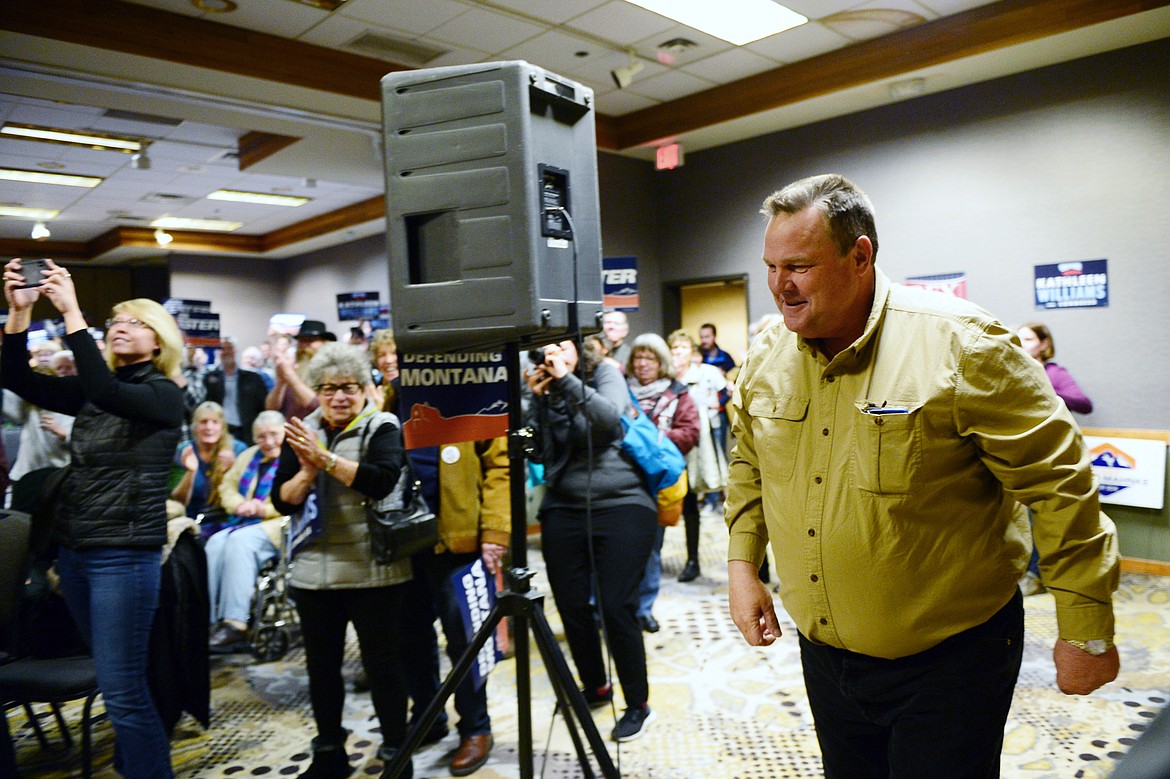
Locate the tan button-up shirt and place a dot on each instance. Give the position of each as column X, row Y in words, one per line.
column 887, row 479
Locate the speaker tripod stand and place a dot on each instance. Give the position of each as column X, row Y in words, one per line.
column 526, row 609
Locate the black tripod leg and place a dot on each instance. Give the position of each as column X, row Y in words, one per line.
column 558, row 670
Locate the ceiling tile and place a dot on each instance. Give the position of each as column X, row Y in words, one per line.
column 412, row 15
column 486, row 30
column 292, row 20
column 668, row 86
column 553, row 11
column 807, row 40
column 621, row 101
column 622, row 23
column 816, row 9
column 705, row 46
column 599, row 69
column 556, row 51
column 730, row 66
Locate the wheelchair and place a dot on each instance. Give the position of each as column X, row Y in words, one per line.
column 274, row 626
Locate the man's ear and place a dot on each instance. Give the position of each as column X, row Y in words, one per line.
column 863, row 253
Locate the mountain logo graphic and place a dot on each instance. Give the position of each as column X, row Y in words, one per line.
column 1109, row 456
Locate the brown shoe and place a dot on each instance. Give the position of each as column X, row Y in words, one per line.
column 472, row 754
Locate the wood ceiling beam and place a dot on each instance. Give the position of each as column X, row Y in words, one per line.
column 150, row 32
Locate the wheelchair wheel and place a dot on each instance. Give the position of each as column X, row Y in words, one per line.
column 270, row 643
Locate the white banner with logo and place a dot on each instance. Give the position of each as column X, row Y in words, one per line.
column 1129, row 471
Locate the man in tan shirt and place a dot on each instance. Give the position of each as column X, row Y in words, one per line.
column 886, row 438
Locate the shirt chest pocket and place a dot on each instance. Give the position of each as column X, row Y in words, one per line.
column 888, row 451
column 777, row 424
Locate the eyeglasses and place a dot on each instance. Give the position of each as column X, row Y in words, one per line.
column 133, row 324
column 329, row 390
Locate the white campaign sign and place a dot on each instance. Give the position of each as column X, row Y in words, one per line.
column 1129, row 471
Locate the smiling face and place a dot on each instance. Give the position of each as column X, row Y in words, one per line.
column 269, row 438
column 208, row 429
column 387, row 362
column 130, row 340
column 341, row 399
column 823, row 295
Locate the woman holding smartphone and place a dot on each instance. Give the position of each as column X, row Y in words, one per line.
column 111, row 510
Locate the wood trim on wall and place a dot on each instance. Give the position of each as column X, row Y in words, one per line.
column 1137, row 565
column 1126, row 432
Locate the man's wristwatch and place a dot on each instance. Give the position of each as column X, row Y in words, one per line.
column 329, row 465
column 1097, row 646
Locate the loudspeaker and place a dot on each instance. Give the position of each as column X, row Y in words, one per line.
column 491, row 206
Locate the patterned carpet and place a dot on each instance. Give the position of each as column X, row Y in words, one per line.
column 723, row 709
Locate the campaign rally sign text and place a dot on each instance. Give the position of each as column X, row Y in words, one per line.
column 452, row 397
column 355, row 306
column 200, row 327
column 619, row 277
column 475, row 592
column 1081, row 284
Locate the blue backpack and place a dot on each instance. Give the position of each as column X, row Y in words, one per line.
column 654, row 453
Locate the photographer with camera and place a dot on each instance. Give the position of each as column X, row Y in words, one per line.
column 598, row 521
column 110, row 518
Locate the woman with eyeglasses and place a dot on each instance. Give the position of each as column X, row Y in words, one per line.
column 111, row 508
column 344, row 453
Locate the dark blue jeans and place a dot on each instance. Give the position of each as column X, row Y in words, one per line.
column 937, row 713
column 432, row 592
column 112, row 594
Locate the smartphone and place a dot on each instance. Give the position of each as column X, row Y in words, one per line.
column 34, row 273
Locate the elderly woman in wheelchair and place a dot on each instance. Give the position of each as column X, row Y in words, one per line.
column 236, row 554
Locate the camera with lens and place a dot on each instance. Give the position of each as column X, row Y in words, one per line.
column 536, row 356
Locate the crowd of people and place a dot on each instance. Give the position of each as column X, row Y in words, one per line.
column 152, row 431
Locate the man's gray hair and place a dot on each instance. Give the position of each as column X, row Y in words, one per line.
column 339, row 361
column 846, row 208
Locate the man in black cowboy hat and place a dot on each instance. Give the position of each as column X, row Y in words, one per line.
column 292, row 396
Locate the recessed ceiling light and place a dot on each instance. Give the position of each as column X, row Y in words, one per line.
column 99, row 141
column 20, row 212
column 735, row 21
column 183, row 223
column 62, row 179
column 236, row 196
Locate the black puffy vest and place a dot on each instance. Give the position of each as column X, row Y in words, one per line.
column 116, row 492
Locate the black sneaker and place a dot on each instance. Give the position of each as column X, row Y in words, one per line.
column 633, row 723
column 603, row 696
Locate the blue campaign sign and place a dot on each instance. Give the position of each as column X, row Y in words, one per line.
column 1078, row 284
column 448, row 398
column 355, row 306
column 619, row 278
column 475, row 592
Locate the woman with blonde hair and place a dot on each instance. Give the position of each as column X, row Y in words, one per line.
column 110, row 517
column 201, row 464
column 385, row 351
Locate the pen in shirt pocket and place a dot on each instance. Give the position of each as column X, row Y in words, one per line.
column 873, row 409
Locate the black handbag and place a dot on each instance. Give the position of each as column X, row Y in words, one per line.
column 401, row 523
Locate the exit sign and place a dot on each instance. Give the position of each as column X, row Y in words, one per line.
column 669, row 157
